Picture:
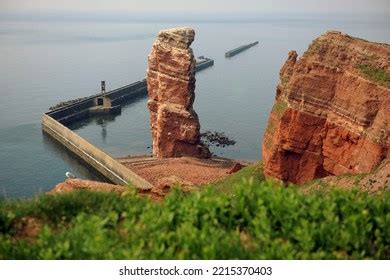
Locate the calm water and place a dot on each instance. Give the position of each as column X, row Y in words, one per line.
column 43, row 63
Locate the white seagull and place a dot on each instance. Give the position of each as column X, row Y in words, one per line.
column 70, row 175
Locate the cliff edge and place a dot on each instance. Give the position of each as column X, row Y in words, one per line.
column 331, row 113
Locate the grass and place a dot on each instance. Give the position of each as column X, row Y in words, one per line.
column 253, row 172
column 277, row 112
column 243, row 217
column 377, row 75
column 314, row 47
column 279, row 108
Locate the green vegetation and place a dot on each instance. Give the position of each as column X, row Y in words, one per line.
column 277, row 112
column 314, row 47
column 279, row 108
column 271, row 126
column 377, row 75
column 252, row 220
column 253, row 172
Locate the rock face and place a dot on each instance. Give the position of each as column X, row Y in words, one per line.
column 70, row 185
column 332, row 108
column 171, row 89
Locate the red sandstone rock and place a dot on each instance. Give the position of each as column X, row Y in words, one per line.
column 236, row 167
column 171, row 89
column 77, row 184
column 329, row 117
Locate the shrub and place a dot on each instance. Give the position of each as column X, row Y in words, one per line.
column 256, row 220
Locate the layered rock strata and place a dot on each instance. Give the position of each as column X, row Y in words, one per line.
column 331, row 114
column 171, row 90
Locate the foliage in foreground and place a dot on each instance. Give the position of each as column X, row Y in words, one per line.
column 255, row 221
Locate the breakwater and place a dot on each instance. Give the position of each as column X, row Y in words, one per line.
column 54, row 121
column 93, row 156
column 107, row 103
column 203, row 63
column 240, row 49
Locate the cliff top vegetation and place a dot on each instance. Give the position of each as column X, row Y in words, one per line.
column 250, row 219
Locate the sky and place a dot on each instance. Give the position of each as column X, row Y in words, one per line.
column 224, row 6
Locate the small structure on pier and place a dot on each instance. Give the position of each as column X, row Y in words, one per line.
column 102, row 105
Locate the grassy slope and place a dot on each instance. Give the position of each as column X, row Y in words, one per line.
column 377, row 75
column 252, row 219
column 253, row 172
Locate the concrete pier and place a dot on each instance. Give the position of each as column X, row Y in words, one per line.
column 240, row 49
column 93, row 156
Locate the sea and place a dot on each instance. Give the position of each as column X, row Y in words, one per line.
column 48, row 60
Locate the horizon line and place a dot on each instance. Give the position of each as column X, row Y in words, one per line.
column 222, row 16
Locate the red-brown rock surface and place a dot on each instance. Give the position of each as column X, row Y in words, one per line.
column 331, row 114
column 70, row 185
column 171, row 89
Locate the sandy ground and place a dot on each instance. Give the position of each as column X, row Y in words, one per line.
column 162, row 174
column 191, row 170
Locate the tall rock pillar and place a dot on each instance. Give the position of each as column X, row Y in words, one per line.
column 171, row 92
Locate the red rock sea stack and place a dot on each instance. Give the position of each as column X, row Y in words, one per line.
column 171, row 89
column 332, row 111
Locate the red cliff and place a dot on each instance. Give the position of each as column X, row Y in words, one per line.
column 331, row 113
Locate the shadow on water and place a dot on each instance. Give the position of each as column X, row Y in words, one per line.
column 79, row 167
column 130, row 102
column 95, row 120
column 33, row 163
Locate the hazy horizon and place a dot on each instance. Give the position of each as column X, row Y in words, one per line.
column 188, row 16
column 267, row 6
column 193, row 11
